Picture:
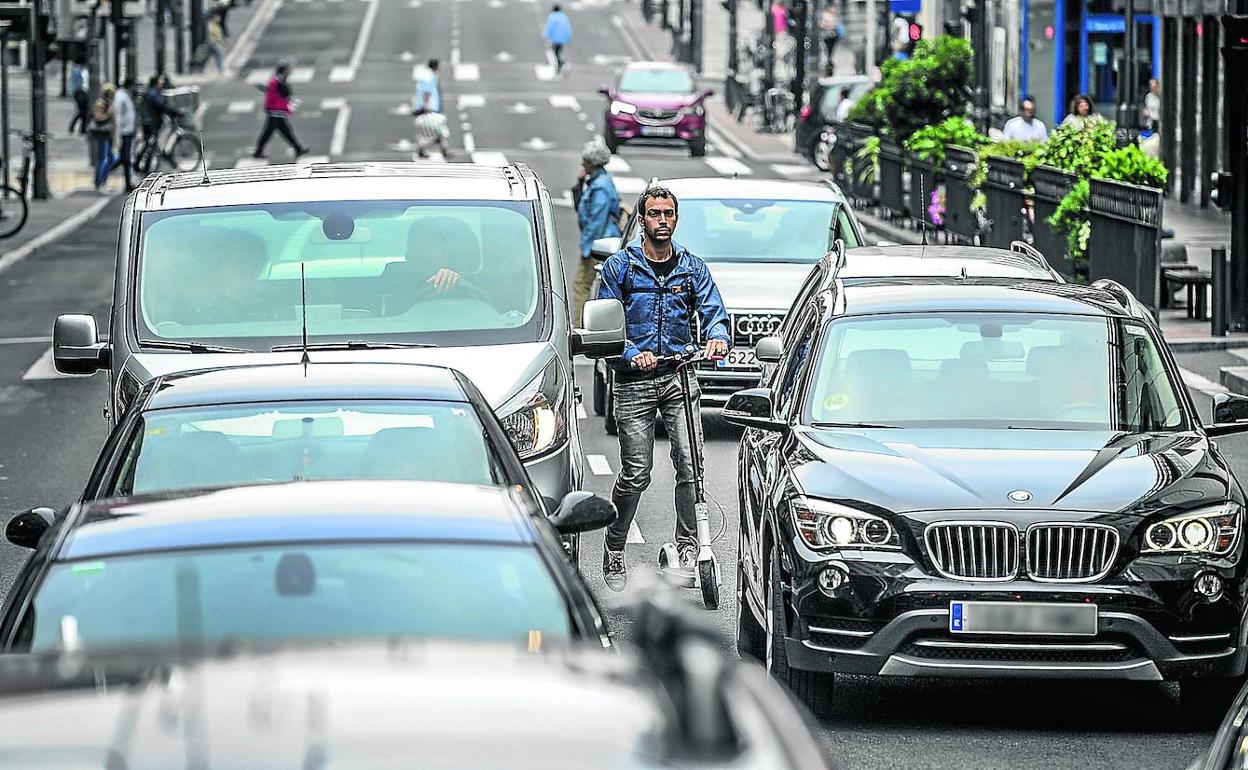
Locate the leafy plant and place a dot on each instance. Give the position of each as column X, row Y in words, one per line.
column 1076, row 148
column 1006, row 148
column 933, row 84
column 929, row 142
column 1071, row 217
column 1130, row 164
column 867, row 159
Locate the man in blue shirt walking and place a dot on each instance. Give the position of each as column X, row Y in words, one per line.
column 666, row 292
column 558, row 33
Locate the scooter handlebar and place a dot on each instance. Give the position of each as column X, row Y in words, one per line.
column 690, row 356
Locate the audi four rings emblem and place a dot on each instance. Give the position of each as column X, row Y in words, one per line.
column 1020, row 496
column 756, row 325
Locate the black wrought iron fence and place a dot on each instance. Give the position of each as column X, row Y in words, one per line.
column 1125, row 238
column 1006, row 201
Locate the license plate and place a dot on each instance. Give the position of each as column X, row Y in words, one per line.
column 1022, row 618
column 658, row 131
column 738, row 358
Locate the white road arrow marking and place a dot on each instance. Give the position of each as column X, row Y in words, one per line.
column 537, row 144
column 471, row 100
column 407, row 55
column 520, row 108
column 503, row 56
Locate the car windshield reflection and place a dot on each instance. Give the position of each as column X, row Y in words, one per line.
column 762, row 230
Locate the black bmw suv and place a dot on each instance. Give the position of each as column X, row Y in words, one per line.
column 968, row 477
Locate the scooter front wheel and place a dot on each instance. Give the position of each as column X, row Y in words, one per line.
column 708, row 579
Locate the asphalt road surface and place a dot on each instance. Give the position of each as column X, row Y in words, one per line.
column 353, row 77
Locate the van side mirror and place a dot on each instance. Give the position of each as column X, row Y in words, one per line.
column 76, row 346
column 25, row 529
column 581, row 512
column 769, row 349
column 1230, row 414
column 604, row 248
column 753, row 408
column 602, row 330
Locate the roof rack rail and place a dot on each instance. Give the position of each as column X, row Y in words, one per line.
column 1027, row 250
column 1117, row 291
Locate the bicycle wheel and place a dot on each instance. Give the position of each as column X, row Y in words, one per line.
column 185, row 153
column 12, row 211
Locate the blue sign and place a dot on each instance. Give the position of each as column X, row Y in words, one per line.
column 957, row 616
column 904, row 7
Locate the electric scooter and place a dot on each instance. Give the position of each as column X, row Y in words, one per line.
column 706, row 574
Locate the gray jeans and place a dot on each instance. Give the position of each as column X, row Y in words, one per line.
column 636, row 404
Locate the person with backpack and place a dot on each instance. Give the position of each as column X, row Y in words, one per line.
column 666, row 292
column 597, row 211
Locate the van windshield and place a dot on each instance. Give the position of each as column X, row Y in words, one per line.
column 438, row 272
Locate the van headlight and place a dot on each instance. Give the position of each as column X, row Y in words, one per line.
column 536, row 417
column 823, row 525
column 622, row 108
column 1214, row 530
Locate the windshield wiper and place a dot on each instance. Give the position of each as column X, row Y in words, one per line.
column 353, row 345
column 190, row 346
column 850, row 425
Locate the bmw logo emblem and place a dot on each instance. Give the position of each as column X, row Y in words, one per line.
column 1020, row 496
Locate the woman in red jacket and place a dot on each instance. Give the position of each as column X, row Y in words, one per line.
column 277, row 113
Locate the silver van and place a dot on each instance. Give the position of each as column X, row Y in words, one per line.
column 450, row 264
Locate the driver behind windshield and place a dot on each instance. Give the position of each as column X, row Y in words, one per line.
column 440, row 250
column 225, row 279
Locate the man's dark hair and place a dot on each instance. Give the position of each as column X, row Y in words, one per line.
column 154, row 81
column 656, row 191
column 432, row 64
column 554, row 8
column 128, row 82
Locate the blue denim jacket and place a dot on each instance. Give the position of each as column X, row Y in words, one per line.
column 657, row 314
column 598, row 205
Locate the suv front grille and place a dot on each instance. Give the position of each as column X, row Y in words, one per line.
column 658, row 116
column 1070, row 552
column 749, row 328
column 981, row 550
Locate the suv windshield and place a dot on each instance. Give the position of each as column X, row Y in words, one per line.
column 234, row 273
column 299, row 591
column 300, row 441
column 757, row 230
column 656, row 81
column 993, row 370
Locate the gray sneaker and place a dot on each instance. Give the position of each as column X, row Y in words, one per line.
column 613, row 569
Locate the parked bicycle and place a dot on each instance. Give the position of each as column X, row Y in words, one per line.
column 13, row 205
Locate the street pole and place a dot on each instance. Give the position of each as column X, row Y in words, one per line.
column 695, row 32
column 978, row 17
column 802, row 33
column 160, row 35
column 179, row 37
column 734, row 54
column 769, row 39
column 4, row 97
column 197, row 25
column 39, row 108
column 1128, row 109
column 869, row 61
column 1235, row 56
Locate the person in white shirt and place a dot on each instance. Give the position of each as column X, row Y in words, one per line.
column 1025, row 126
column 844, row 106
column 123, row 111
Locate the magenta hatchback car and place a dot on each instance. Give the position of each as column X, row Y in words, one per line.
column 655, row 101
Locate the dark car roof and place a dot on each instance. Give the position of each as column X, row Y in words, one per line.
column 308, row 511
column 318, row 381
column 944, row 295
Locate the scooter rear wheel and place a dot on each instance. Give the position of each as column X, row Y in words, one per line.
column 708, row 579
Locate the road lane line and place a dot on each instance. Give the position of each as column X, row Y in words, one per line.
column 467, row 71
column 1199, row 382
column 302, row 74
column 240, row 106
column 728, row 145
column 470, row 143
column 580, row 412
column 341, row 74
column 466, row 101
column 618, row 165
column 599, row 465
column 249, row 162
column 634, row 533
column 245, row 45
column 65, row 227
column 23, row 340
column 44, row 369
column 366, row 31
column 565, row 101
column 338, row 141
column 489, row 158
column 544, row 71
column 728, row 166
column 258, row 76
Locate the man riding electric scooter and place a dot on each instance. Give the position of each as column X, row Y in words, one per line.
column 668, row 293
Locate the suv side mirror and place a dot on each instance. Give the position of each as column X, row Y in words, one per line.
column 76, row 346
column 753, row 408
column 25, row 529
column 581, row 512
column 1230, row 414
column 602, row 331
column 604, row 248
column 769, row 349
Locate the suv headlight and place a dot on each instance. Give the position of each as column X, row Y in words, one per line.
column 693, row 109
column 622, row 108
column 535, row 418
column 823, row 525
column 1214, row 529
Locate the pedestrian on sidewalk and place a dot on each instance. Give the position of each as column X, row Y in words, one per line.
column 431, row 125
column 598, row 213
column 831, row 30
column 1081, row 113
column 78, row 78
column 101, row 132
column 557, row 34
column 124, row 113
column 277, row 109
column 1025, row 126
column 153, row 107
column 1152, row 106
column 222, row 14
column 216, row 43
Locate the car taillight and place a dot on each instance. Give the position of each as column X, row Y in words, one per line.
column 805, row 113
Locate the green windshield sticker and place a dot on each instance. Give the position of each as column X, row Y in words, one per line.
column 88, row 567
column 835, row 401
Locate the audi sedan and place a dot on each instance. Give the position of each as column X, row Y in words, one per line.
column 959, row 477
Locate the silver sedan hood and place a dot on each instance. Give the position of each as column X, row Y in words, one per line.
column 759, row 285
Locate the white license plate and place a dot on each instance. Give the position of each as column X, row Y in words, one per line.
column 1022, row 618
column 738, row 358
column 658, row 131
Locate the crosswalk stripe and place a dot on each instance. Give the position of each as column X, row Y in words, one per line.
column 306, row 159
column 544, row 72
column 342, row 74
column 467, row 71
column 241, row 106
column 246, row 162
column 45, row 369
column 471, row 100
column 489, row 158
column 634, row 533
column 618, row 165
column 792, row 170
column 728, row 166
column 302, row 74
column 630, row 185
column 567, row 101
column 599, row 465
column 258, row 76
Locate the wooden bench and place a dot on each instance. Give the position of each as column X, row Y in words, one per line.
column 1196, row 282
